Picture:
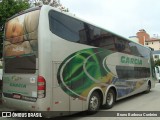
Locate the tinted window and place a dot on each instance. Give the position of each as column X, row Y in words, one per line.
column 21, row 43
column 64, row 26
column 74, row 30
column 138, row 50
column 26, row 64
column 128, row 72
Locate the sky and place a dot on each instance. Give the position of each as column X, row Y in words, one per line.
column 123, row 17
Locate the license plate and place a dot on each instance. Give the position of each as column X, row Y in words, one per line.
column 16, row 96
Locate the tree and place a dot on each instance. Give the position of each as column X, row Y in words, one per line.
column 53, row 3
column 7, row 9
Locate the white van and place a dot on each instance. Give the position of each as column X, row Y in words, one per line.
column 0, row 81
column 157, row 71
column 1, row 74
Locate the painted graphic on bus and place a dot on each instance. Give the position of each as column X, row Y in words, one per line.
column 85, row 69
column 21, row 34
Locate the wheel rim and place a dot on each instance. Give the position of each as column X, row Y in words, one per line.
column 148, row 88
column 94, row 103
column 110, row 98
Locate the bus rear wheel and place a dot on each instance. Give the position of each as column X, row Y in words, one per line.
column 148, row 88
column 110, row 99
column 94, row 103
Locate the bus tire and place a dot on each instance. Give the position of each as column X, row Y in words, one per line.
column 110, row 99
column 148, row 88
column 94, row 103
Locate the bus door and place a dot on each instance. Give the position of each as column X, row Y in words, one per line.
column 76, row 82
column 60, row 98
column 76, row 103
column 65, row 92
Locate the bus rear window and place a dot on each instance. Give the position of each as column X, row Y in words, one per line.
column 21, row 44
column 26, row 64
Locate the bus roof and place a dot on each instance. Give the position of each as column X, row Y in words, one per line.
column 24, row 11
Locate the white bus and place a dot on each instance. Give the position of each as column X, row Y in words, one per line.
column 157, row 71
column 54, row 61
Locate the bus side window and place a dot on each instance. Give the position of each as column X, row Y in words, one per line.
column 65, row 26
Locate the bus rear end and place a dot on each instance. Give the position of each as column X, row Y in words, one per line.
column 22, row 85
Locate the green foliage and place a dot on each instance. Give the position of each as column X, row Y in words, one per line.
column 157, row 62
column 9, row 8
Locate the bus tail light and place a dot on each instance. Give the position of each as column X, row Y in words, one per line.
column 41, row 87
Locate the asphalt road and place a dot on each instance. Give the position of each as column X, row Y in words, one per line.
column 142, row 102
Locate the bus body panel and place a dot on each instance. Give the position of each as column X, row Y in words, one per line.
column 17, row 86
column 21, row 62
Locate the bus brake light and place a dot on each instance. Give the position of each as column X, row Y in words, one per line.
column 41, row 87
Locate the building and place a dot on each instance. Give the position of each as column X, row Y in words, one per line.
column 153, row 43
column 143, row 36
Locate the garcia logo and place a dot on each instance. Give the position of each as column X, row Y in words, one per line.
column 18, row 85
column 129, row 60
column 16, row 78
